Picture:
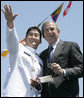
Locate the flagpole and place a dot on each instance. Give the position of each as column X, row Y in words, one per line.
column 47, row 17
column 42, row 22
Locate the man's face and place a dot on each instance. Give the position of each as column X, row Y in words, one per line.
column 51, row 34
column 33, row 39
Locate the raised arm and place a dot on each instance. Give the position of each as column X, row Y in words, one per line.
column 11, row 37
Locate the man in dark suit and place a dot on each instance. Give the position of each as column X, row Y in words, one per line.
column 65, row 65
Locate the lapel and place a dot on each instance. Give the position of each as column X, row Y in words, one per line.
column 58, row 50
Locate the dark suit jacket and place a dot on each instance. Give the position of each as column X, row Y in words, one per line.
column 69, row 57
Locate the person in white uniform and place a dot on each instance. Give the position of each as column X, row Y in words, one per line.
column 25, row 64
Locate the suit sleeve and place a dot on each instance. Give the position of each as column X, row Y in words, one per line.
column 75, row 69
column 12, row 40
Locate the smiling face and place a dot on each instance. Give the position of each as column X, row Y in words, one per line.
column 33, row 38
column 51, row 32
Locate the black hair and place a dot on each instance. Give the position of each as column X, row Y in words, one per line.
column 34, row 28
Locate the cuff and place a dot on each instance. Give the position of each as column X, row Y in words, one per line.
column 64, row 74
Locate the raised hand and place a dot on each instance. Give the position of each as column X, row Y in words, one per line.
column 9, row 16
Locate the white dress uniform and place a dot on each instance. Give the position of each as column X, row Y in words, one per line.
column 24, row 65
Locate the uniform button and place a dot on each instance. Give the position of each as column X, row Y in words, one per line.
column 35, row 60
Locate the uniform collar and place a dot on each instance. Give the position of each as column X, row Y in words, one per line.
column 31, row 49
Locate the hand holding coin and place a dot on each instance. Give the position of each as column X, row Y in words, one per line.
column 57, row 69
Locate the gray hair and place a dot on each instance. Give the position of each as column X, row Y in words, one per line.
column 57, row 27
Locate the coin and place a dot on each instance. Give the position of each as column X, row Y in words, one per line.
column 49, row 65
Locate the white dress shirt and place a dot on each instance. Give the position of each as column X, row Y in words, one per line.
column 24, row 65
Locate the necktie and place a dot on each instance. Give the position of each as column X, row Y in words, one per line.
column 49, row 59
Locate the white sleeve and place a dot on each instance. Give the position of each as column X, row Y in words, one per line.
column 12, row 40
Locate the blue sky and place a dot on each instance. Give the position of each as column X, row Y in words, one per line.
column 31, row 13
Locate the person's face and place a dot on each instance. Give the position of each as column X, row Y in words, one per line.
column 33, row 39
column 51, row 34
